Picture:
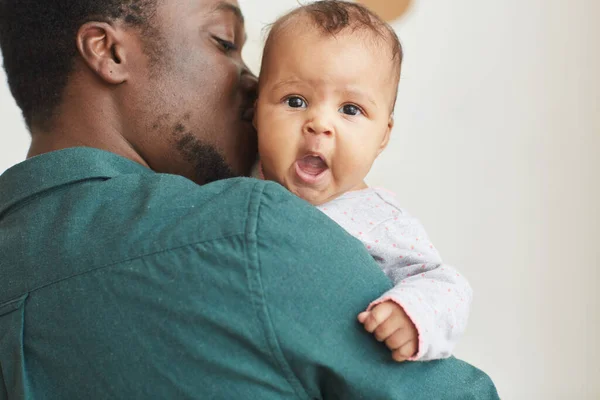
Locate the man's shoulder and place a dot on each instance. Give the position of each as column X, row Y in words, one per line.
column 97, row 223
column 193, row 213
column 232, row 203
column 298, row 229
column 160, row 212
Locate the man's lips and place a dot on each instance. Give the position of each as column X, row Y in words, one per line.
column 248, row 114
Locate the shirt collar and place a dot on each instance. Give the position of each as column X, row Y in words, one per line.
column 59, row 168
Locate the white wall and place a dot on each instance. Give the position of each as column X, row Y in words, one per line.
column 14, row 136
column 496, row 149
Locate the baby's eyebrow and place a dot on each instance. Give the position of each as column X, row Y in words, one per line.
column 287, row 82
column 360, row 94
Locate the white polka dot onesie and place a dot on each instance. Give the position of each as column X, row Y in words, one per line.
column 434, row 295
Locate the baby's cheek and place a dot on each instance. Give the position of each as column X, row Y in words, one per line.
column 273, row 160
column 352, row 166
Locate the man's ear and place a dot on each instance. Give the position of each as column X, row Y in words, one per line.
column 102, row 49
column 388, row 133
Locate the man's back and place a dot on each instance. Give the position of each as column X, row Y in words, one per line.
column 116, row 282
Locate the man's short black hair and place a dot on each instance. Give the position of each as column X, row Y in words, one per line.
column 38, row 43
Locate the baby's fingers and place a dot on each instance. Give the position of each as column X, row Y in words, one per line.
column 376, row 317
column 362, row 317
column 393, row 326
column 399, row 338
column 405, row 352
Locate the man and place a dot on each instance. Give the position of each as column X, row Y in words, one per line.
column 122, row 278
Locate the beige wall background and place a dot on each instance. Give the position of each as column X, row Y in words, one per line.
column 496, row 149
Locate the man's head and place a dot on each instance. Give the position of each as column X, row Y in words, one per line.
column 164, row 78
column 327, row 91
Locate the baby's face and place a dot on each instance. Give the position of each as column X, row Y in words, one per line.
column 324, row 111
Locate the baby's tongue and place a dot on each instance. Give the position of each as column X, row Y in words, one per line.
column 312, row 165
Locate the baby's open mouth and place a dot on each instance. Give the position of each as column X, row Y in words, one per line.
column 312, row 169
column 312, row 165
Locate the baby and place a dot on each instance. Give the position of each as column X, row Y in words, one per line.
column 327, row 91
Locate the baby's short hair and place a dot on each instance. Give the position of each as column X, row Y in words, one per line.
column 335, row 16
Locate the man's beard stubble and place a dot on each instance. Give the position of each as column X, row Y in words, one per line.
column 209, row 164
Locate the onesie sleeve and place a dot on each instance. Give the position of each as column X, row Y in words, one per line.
column 435, row 296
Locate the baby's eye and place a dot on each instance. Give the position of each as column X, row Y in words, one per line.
column 295, row 102
column 350, row 109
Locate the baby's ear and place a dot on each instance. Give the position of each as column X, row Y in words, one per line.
column 386, row 137
column 391, row 123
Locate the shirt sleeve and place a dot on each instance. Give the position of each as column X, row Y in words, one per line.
column 435, row 296
column 312, row 280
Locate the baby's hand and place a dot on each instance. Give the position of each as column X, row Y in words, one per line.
column 390, row 324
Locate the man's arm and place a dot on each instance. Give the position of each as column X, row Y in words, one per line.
column 314, row 279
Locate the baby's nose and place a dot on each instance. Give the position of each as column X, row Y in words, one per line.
column 318, row 126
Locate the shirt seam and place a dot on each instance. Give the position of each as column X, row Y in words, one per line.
column 123, row 261
column 260, row 302
column 19, row 204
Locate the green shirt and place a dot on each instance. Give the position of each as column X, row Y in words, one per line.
column 118, row 282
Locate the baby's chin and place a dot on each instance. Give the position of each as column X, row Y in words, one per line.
column 325, row 195
column 314, row 197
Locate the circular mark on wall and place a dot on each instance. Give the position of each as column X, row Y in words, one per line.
column 389, row 10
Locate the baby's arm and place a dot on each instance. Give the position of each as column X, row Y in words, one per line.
column 433, row 295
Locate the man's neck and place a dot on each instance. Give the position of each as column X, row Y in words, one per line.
column 83, row 129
